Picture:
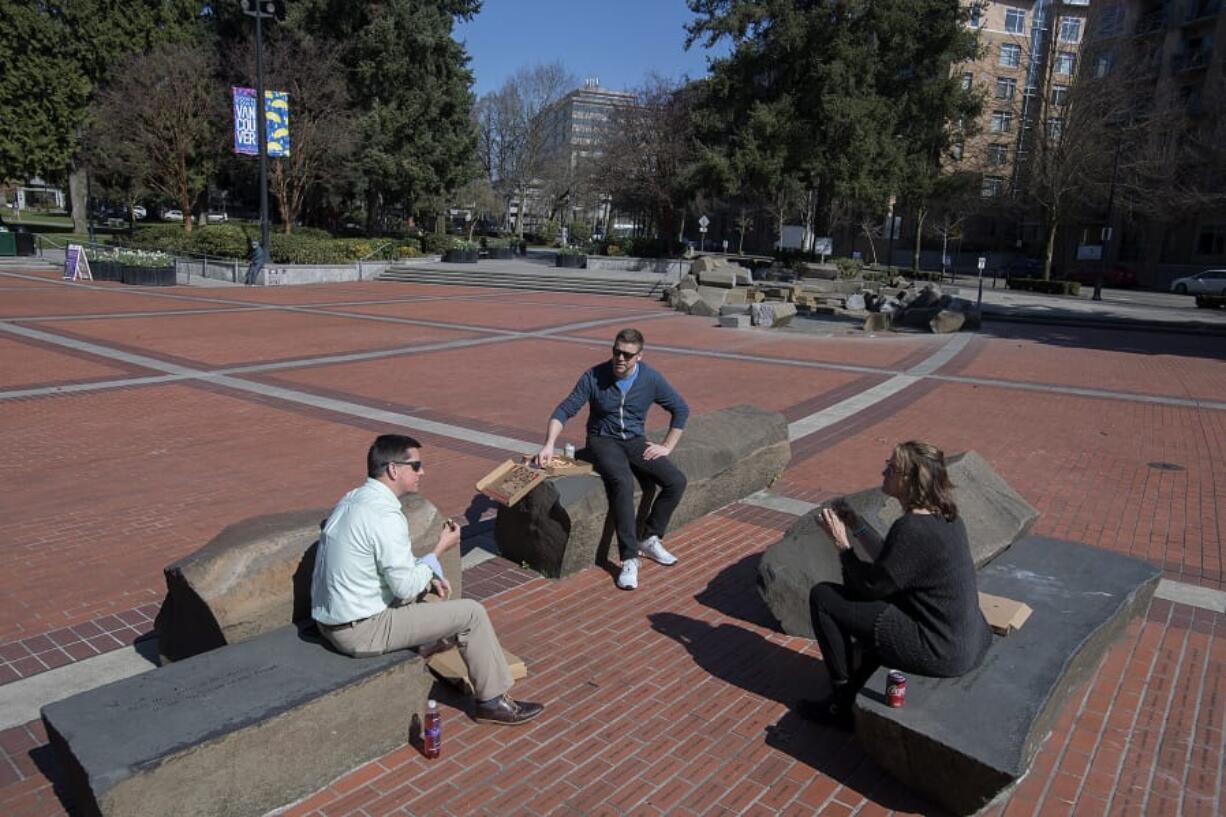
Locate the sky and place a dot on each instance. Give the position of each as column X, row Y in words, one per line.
column 619, row 42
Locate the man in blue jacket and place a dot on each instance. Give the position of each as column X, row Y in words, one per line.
column 619, row 394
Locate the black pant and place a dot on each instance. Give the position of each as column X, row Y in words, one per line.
column 618, row 462
column 844, row 624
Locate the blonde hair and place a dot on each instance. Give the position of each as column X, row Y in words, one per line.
column 926, row 483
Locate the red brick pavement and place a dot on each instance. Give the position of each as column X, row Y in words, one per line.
column 28, row 364
column 671, row 700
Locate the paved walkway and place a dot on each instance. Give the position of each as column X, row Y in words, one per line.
column 138, row 423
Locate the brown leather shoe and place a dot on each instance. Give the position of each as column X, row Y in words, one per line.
column 507, row 711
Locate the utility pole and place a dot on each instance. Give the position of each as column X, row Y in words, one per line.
column 261, row 9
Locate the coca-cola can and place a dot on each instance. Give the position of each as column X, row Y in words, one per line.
column 895, row 688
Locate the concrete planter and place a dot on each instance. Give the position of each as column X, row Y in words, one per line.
column 501, row 253
column 148, row 276
column 460, row 257
column 571, row 261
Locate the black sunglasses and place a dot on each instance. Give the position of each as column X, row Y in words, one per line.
column 414, row 464
column 623, row 354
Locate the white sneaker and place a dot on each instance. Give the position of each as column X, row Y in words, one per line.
column 653, row 549
column 629, row 578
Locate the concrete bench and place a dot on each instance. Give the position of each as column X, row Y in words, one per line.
column 564, row 524
column 239, row 730
column 255, row 576
column 964, row 741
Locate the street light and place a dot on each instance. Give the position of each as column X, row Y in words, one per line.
column 261, row 9
column 1106, row 234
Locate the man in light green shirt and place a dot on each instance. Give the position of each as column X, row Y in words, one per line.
column 366, row 583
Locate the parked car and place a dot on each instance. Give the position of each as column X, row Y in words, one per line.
column 1022, row 268
column 1114, row 277
column 172, row 215
column 216, row 217
column 139, row 212
column 1209, row 282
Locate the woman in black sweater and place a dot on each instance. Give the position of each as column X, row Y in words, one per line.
column 916, row 607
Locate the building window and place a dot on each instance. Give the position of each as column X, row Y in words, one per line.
column 1103, row 65
column 976, row 15
column 993, row 186
column 967, row 81
column 1070, row 30
column 1005, row 87
column 1015, row 21
column 1065, row 62
column 955, row 150
column 1010, row 55
column 998, row 154
column 1059, row 94
column 1054, row 128
column 1002, row 121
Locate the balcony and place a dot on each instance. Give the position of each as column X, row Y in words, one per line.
column 1195, row 60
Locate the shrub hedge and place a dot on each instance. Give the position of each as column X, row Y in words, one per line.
column 1053, row 287
column 304, row 246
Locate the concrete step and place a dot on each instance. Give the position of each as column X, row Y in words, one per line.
column 506, row 280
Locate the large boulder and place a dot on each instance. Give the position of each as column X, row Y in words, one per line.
column 773, row 314
column 704, row 264
column 735, row 321
column 877, row 322
column 710, row 299
column 255, row 576
column 723, row 275
column 946, row 321
column 994, row 514
column 734, row 309
column 808, row 269
column 563, row 524
column 688, row 281
column 686, row 298
column 856, row 302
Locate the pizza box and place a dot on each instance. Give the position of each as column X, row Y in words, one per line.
column 449, row 666
column 1004, row 615
column 510, row 482
column 563, row 466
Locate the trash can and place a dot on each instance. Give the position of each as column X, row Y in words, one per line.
column 24, row 239
column 8, row 244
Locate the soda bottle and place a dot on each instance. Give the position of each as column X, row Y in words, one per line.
column 432, row 735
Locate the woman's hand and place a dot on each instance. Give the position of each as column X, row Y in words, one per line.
column 834, row 526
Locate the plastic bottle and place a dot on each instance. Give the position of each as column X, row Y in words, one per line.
column 432, row 734
column 569, row 450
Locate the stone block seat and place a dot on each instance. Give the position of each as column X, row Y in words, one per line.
column 963, row 741
column 238, row 730
column 251, row 710
column 563, row 525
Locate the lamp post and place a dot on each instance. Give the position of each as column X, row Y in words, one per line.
column 1106, row 234
column 261, row 9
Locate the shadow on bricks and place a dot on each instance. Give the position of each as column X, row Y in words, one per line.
column 741, row 657
column 727, row 594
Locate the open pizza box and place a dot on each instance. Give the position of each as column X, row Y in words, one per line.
column 510, row 482
column 449, row 666
column 1003, row 615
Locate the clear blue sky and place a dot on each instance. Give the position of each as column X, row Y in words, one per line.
column 618, row 41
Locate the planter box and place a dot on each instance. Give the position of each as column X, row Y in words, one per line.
column 501, row 253
column 148, row 276
column 460, row 257
column 106, row 270
column 571, row 261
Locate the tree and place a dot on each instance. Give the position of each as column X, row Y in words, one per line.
column 54, row 55
column 161, row 119
column 409, row 78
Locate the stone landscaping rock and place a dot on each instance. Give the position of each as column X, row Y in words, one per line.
column 255, row 576
column 828, row 272
column 878, row 322
column 718, row 276
column 688, row 281
column 772, row 314
column 856, row 302
column 704, row 264
column 739, row 295
column 734, row 309
column 735, row 321
column 686, row 298
column 928, row 296
column 562, row 524
column 946, row 321
column 994, row 514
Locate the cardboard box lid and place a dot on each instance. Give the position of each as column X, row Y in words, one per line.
column 449, row 666
column 1003, row 615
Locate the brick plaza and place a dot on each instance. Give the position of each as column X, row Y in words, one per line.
column 136, row 424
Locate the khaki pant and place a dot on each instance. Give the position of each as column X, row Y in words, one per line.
column 415, row 625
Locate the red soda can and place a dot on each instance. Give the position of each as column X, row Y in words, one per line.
column 895, row 688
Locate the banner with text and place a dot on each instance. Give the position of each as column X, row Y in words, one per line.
column 276, row 122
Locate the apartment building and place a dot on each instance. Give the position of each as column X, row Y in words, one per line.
column 577, row 123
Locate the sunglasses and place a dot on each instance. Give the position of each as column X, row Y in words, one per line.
column 623, row 354
column 414, row 464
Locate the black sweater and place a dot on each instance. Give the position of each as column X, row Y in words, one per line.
column 933, row 625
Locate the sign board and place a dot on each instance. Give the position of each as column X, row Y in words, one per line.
column 704, row 222
column 1106, row 234
column 1089, row 252
column 823, row 245
column 947, row 261
column 275, row 277
column 246, row 119
column 983, row 263
column 76, row 264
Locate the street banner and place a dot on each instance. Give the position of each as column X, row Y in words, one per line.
column 276, row 122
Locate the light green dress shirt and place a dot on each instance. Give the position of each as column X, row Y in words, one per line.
column 365, row 558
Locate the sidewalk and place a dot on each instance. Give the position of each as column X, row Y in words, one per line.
column 137, row 423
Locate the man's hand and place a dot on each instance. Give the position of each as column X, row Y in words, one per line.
column 655, row 451
column 449, row 538
column 543, row 456
column 441, row 587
